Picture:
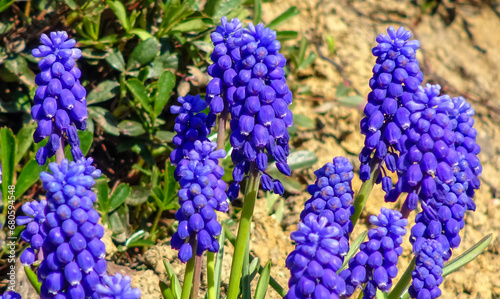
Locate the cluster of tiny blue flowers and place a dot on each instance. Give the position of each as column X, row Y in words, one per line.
column 376, row 262
column 396, row 77
column 60, row 105
column 333, row 191
column 10, row 295
column 73, row 253
column 202, row 193
column 427, row 275
column 116, row 287
column 317, row 257
column 190, row 126
column 34, row 233
column 248, row 77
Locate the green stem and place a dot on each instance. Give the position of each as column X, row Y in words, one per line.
column 403, row 282
column 243, row 232
column 245, row 275
column 272, row 282
column 188, row 274
column 155, row 224
column 211, row 292
column 364, row 192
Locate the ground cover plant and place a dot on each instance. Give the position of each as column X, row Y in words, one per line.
column 200, row 116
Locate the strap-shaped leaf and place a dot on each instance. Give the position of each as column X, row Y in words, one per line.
column 174, row 281
column 28, row 176
column 8, row 148
column 165, row 85
column 121, row 13
column 166, row 291
column 218, row 263
column 33, row 279
column 468, row 256
column 353, row 249
column 265, row 275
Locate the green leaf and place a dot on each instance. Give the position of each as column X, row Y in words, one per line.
column 353, row 249
column 24, row 139
column 174, row 281
column 257, row 11
column 380, row 295
column 310, row 59
column 279, row 211
column 71, row 4
column 352, row 101
column 330, row 42
column 106, row 90
column 4, row 4
column 165, row 136
column 142, row 34
column 119, row 196
column 136, row 238
column 301, row 159
column 103, row 196
column 121, row 13
column 211, row 7
column 8, row 147
column 138, row 195
column 284, row 17
column 342, row 91
column 165, row 291
column 115, row 59
column 142, row 54
column 119, row 223
column 105, row 119
column 468, row 256
column 28, row 176
column 33, row 279
column 286, row 35
column 260, row 291
column 225, row 7
column 131, row 128
column 303, row 121
column 165, row 85
column 302, row 51
column 140, row 93
column 19, row 67
column 192, row 25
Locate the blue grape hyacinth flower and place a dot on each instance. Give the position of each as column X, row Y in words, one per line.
column 317, row 257
column 333, row 191
column 34, row 233
column 376, row 263
column 73, row 263
column 249, row 81
column 116, row 287
column 202, row 193
column 10, row 295
column 396, row 77
column 60, row 99
column 190, row 126
column 428, row 273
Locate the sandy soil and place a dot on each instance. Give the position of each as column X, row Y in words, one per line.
column 459, row 50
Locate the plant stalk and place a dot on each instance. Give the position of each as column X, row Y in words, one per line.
column 221, row 129
column 189, row 273
column 243, row 232
column 155, row 224
column 364, row 192
column 403, row 282
column 197, row 276
column 60, row 151
column 211, row 292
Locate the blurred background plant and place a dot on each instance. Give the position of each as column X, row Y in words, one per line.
column 138, row 56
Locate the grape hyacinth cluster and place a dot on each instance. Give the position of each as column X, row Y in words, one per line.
column 35, row 232
column 73, row 263
column 190, row 126
column 10, row 295
column 60, row 104
column 396, row 76
column 376, row 262
column 333, row 191
column 116, row 287
column 427, row 275
column 202, row 193
column 317, row 257
column 249, row 81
